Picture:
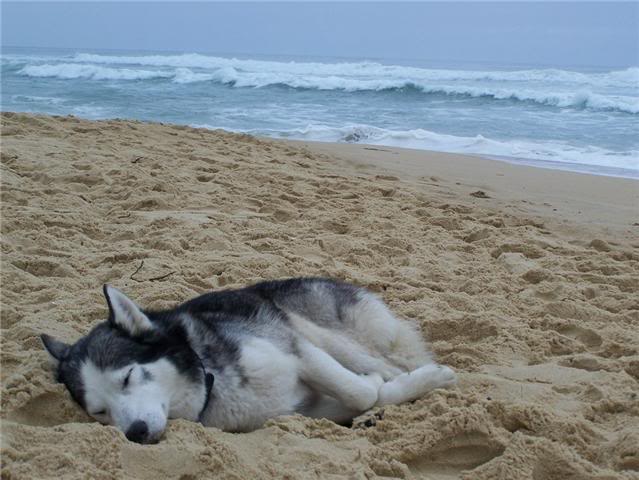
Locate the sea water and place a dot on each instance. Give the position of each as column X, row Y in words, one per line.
column 582, row 120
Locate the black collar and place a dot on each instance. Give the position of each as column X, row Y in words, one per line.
column 209, row 378
column 208, row 383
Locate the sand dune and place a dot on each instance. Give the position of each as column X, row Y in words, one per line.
column 526, row 281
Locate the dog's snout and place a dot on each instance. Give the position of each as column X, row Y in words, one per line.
column 138, row 431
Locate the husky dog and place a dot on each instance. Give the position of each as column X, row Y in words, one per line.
column 233, row 359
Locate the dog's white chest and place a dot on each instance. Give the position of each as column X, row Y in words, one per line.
column 265, row 385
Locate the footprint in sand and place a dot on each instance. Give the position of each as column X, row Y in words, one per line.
column 583, row 362
column 451, row 456
column 588, row 337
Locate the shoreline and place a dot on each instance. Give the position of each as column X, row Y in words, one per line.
column 615, row 172
column 585, row 169
column 566, row 166
column 560, row 195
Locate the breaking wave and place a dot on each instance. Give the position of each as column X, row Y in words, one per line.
column 610, row 91
column 68, row 71
column 620, row 78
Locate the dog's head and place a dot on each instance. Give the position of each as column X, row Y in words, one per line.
column 133, row 373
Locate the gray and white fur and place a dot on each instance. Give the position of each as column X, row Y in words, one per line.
column 235, row 358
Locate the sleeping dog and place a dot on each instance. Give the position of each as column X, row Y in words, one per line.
column 235, row 358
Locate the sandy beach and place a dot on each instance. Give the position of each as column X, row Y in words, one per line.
column 524, row 280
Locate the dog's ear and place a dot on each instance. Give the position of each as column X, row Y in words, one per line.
column 56, row 348
column 124, row 313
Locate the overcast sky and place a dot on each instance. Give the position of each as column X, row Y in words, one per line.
column 544, row 34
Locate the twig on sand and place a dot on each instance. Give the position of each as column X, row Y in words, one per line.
column 152, row 279
column 161, row 277
column 136, row 271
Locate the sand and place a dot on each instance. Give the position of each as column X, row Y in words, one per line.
column 525, row 281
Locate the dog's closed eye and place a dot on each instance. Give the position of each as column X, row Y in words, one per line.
column 125, row 382
column 97, row 414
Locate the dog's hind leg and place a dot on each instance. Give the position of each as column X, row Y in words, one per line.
column 326, row 375
column 413, row 385
column 398, row 341
column 350, row 354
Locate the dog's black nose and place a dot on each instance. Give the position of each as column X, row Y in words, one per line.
column 138, row 431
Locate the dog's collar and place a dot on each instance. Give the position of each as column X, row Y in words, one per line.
column 208, row 384
column 208, row 379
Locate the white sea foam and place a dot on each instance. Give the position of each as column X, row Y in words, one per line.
column 69, row 71
column 628, row 78
column 93, row 112
column 184, row 75
column 37, row 99
column 566, row 99
column 550, row 87
column 560, row 153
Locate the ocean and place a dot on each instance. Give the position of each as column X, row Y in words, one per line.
column 584, row 120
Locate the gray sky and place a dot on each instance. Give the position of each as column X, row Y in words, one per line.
column 551, row 33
